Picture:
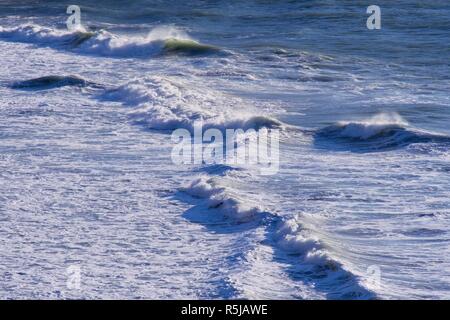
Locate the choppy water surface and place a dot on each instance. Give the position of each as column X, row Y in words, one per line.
column 87, row 179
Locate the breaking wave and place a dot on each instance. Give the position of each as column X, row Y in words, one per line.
column 382, row 132
column 223, row 199
column 295, row 236
column 187, row 47
column 162, row 103
column 160, row 41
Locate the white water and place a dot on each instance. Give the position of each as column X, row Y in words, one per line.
column 87, row 180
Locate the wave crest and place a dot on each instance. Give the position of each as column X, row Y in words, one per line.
column 161, row 40
column 187, row 47
column 297, row 236
column 295, row 239
column 166, row 104
column 381, row 132
column 222, row 199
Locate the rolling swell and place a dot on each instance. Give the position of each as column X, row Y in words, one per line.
column 187, row 47
column 39, row 35
column 51, row 82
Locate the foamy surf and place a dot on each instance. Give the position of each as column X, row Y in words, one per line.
column 382, row 132
column 297, row 236
column 40, row 35
column 159, row 41
column 164, row 103
column 294, row 237
column 76, row 159
column 223, row 199
column 187, row 47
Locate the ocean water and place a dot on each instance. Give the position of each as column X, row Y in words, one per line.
column 359, row 208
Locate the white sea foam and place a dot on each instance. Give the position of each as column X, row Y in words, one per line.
column 223, row 199
column 165, row 104
column 70, row 163
column 160, row 40
column 372, row 127
column 295, row 235
column 385, row 131
column 298, row 235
